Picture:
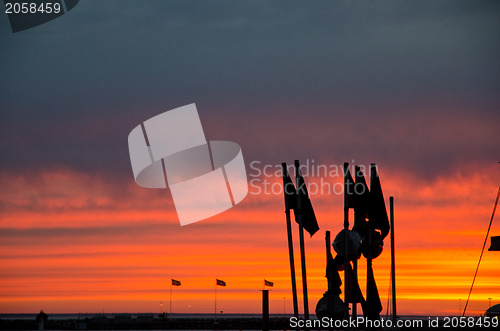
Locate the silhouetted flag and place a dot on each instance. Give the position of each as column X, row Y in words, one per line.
column 176, row 282
column 377, row 213
column 221, row 282
column 372, row 297
column 349, row 187
column 355, row 294
column 289, row 191
column 332, row 274
column 268, row 283
column 361, row 203
column 309, row 221
column 495, row 244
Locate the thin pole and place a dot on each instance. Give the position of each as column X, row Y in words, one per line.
column 304, row 276
column 302, row 244
column 355, row 277
column 482, row 250
column 292, row 265
column 170, row 298
column 215, row 309
column 393, row 260
column 290, row 249
column 389, row 296
column 355, row 261
column 284, row 306
column 346, row 241
column 369, row 266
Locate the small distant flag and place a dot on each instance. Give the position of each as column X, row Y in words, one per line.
column 221, row 282
column 268, row 283
column 176, row 282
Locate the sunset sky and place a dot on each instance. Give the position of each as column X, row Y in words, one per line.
column 413, row 86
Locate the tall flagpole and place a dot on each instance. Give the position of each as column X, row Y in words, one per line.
column 301, row 237
column 346, row 241
column 393, row 261
column 171, row 298
column 369, row 259
column 355, row 261
column 355, row 277
column 215, row 309
column 290, row 246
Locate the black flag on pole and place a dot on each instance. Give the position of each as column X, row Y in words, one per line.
column 309, row 221
column 289, row 191
column 361, row 203
column 355, row 294
column 377, row 213
column 349, row 187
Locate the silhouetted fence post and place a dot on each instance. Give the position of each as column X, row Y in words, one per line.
column 346, row 243
column 265, row 310
column 393, row 261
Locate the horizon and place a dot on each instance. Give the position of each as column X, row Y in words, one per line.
column 410, row 87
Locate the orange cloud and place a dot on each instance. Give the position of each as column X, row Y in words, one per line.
column 71, row 242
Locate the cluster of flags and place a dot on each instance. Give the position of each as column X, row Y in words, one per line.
column 367, row 203
column 220, row 282
column 371, row 222
column 298, row 201
column 371, row 226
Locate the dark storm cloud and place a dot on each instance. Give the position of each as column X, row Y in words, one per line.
column 73, row 88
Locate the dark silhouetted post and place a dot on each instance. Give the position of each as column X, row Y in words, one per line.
column 41, row 319
column 346, row 235
column 355, row 261
column 290, row 245
column 369, row 267
column 265, row 310
column 354, row 276
column 393, row 261
column 301, row 238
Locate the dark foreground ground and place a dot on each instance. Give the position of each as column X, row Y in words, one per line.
column 148, row 324
column 127, row 322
